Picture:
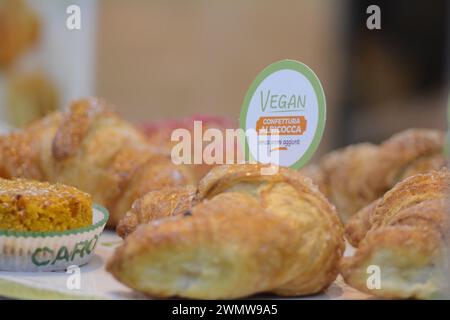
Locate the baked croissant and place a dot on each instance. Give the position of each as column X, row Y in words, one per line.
column 405, row 234
column 244, row 233
column 157, row 204
column 93, row 149
column 357, row 175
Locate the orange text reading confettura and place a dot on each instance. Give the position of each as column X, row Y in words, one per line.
column 291, row 125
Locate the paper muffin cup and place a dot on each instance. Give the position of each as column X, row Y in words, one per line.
column 51, row 251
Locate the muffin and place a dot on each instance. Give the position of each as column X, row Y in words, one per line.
column 27, row 205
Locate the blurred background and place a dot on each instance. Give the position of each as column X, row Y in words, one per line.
column 156, row 59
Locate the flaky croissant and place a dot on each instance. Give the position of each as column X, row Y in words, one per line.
column 93, row 149
column 244, row 233
column 406, row 235
column 157, row 204
column 357, row 175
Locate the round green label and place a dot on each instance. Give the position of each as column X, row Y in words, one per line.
column 283, row 115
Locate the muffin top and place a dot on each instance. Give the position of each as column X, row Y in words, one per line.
column 27, row 205
column 43, row 190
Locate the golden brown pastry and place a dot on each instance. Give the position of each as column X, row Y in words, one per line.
column 93, row 149
column 355, row 176
column 407, row 239
column 359, row 224
column 244, row 233
column 166, row 202
column 19, row 29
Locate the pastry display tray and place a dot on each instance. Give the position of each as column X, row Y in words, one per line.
column 92, row 281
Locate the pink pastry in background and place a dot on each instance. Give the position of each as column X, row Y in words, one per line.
column 159, row 134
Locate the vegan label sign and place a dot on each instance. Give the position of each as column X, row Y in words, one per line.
column 286, row 108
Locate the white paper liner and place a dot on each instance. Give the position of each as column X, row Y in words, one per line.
column 51, row 251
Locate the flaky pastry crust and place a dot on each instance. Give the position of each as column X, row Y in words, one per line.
column 357, row 175
column 157, row 204
column 91, row 148
column 244, row 233
column 406, row 235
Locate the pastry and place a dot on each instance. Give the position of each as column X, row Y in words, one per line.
column 357, row 175
column 159, row 133
column 91, row 148
column 244, row 233
column 19, row 29
column 39, row 206
column 359, row 224
column 406, row 235
column 166, row 202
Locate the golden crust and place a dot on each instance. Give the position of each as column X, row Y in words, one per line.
column 236, row 216
column 359, row 224
column 348, row 193
column 20, row 151
column 411, row 262
column 228, row 248
column 405, row 195
column 231, row 178
column 154, row 205
column 70, row 135
column 412, row 144
column 357, row 175
column 423, row 165
column 430, row 213
column 411, row 191
column 405, row 234
column 157, row 173
column 99, row 153
column 93, row 149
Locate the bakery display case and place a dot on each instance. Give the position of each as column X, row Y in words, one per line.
column 207, row 150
